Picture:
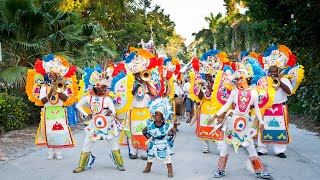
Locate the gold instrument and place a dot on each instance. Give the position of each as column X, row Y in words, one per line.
column 275, row 82
column 145, row 75
column 59, row 86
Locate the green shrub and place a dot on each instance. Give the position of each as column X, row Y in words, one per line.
column 14, row 112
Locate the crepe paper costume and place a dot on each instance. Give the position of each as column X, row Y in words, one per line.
column 53, row 130
column 276, row 123
column 137, row 61
column 160, row 137
column 238, row 123
column 101, row 126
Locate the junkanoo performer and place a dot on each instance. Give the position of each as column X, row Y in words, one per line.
column 280, row 64
column 102, row 125
column 202, row 92
column 160, row 134
column 53, row 85
column 238, row 123
column 137, row 63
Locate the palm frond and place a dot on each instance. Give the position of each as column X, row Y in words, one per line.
column 13, row 76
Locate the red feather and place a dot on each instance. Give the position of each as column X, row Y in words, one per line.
column 72, row 70
column 292, row 60
column 261, row 61
column 118, row 68
column 39, row 68
column 195, row 64
column 153, row 63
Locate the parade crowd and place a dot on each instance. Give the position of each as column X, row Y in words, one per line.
column 140, row 100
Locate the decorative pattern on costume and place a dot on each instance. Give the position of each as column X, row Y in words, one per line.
column 159, row 146
column 244, row 99
column 138, row 116
column 207, row 110
column 266, row 93
column 276, row 127
column 57, row 132
column 239, row 130
column 122, row 86
column 101, row 127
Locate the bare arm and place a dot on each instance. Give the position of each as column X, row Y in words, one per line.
column 152, row 90
column 135, row 89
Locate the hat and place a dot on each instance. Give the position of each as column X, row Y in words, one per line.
column 161, row 105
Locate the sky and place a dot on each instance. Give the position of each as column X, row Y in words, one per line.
column 189, row 15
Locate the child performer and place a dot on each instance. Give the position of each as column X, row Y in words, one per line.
column 157, row 131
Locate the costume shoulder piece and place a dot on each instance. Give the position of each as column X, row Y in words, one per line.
column 38, row 77
column 122, row 86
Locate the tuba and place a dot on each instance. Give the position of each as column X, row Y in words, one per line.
column 145, row 75
column 59, row 86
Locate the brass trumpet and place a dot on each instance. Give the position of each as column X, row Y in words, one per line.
column 59, row 86
column 145, row 75
column 275, row 82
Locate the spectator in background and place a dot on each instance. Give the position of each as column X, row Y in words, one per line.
column 189, row 102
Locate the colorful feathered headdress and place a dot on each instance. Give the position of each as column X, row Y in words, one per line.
column 96, row 77
column 280, row 56
column 161, row 105
column 138, row 60
column 54, row 64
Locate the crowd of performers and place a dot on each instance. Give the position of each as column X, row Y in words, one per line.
column 135, row 102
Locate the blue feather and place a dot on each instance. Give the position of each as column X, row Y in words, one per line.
column 49, row 57
column 212, row 52
column 98, row 68
column 130, row 57
column 116, row 79
column 270, row 49
column 203, row 76
column 257, row 70
column 88, row 71
column 167, row 60
column 225, row 68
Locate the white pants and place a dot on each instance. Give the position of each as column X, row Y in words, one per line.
column 205, row 144
column 57, row 151
column 167, row 160
column 250, row 148
column 278, row 148
column 135, row 151
column 88, row 143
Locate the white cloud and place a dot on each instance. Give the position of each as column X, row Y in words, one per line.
column 189, row 14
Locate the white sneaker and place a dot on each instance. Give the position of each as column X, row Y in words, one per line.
column 51, row 156
column 59, row 156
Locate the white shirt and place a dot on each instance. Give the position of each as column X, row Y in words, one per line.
column 43, row 93
column 107, row 103
column 177, row 90
column 233, row 99
column 186, row 88
column 281, row 96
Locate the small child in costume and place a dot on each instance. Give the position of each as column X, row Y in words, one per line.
column 160, row 134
